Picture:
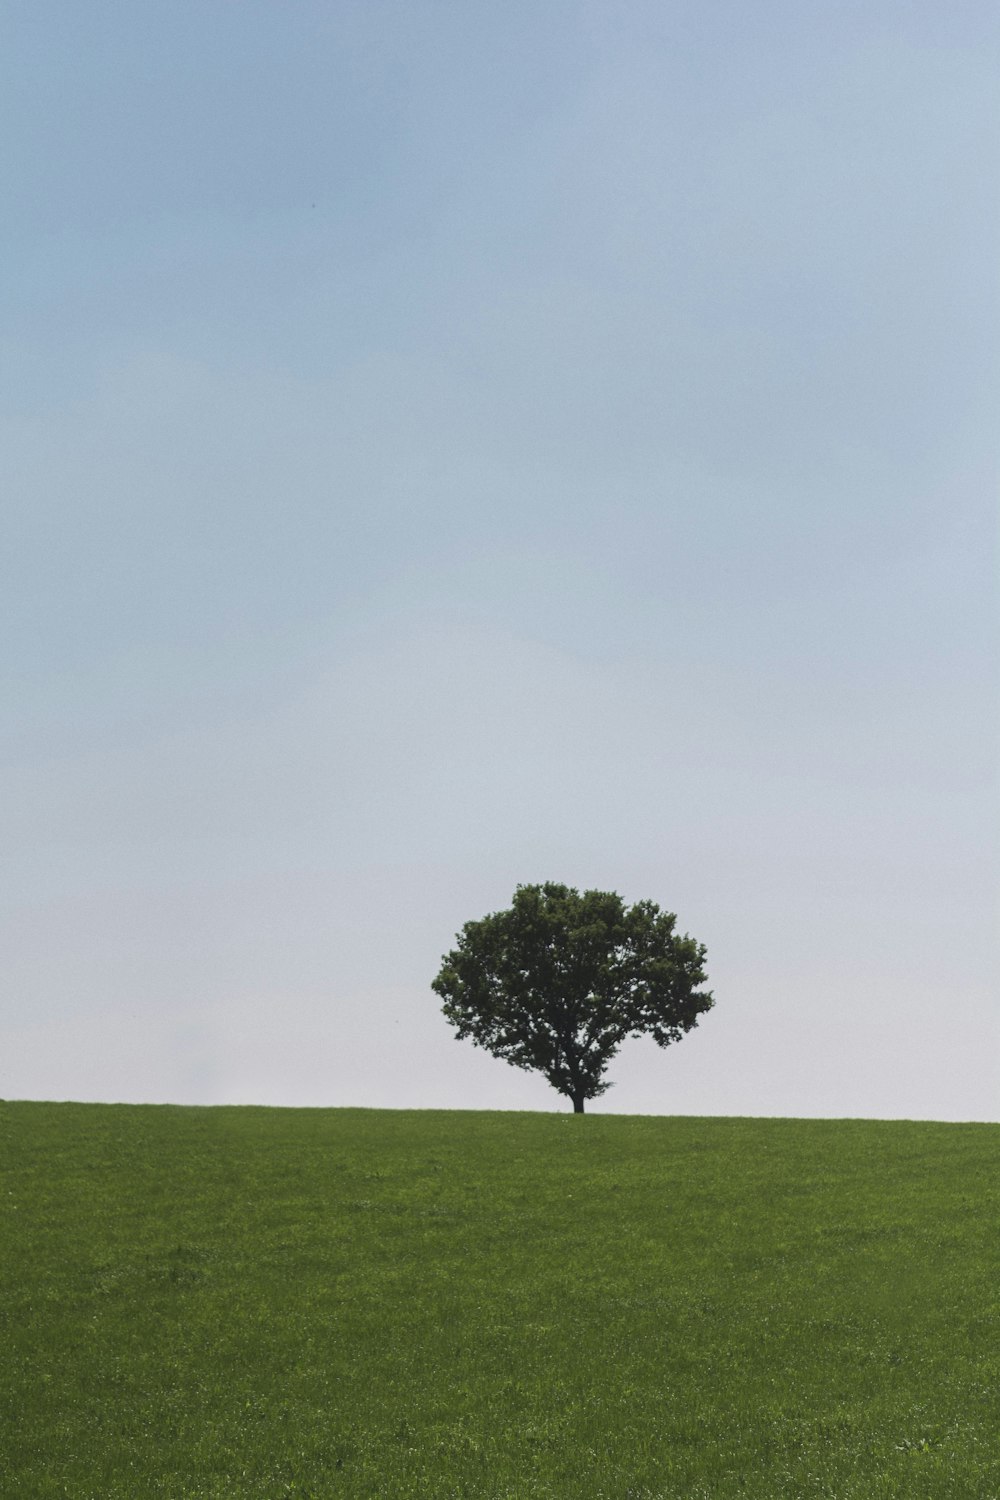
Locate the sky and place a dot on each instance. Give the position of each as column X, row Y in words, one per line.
column 447, row 446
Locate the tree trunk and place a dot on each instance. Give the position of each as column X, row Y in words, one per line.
column 577, row 1103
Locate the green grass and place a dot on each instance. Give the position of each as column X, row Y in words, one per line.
column 209, row 1303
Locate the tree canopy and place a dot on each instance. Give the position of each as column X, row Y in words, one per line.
column 557, row 982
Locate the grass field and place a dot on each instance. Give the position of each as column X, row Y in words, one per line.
column 208, row 1303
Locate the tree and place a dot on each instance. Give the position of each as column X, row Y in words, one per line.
column 557, row 982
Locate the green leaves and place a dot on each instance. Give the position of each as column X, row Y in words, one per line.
column 556, row 982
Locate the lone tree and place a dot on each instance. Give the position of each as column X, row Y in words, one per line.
column 556, row 983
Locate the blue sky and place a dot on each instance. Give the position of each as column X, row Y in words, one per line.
column 448, row 446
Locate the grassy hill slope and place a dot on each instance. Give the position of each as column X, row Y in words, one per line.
column 242, row 1303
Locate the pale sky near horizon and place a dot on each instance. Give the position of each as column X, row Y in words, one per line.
column 449, row 445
